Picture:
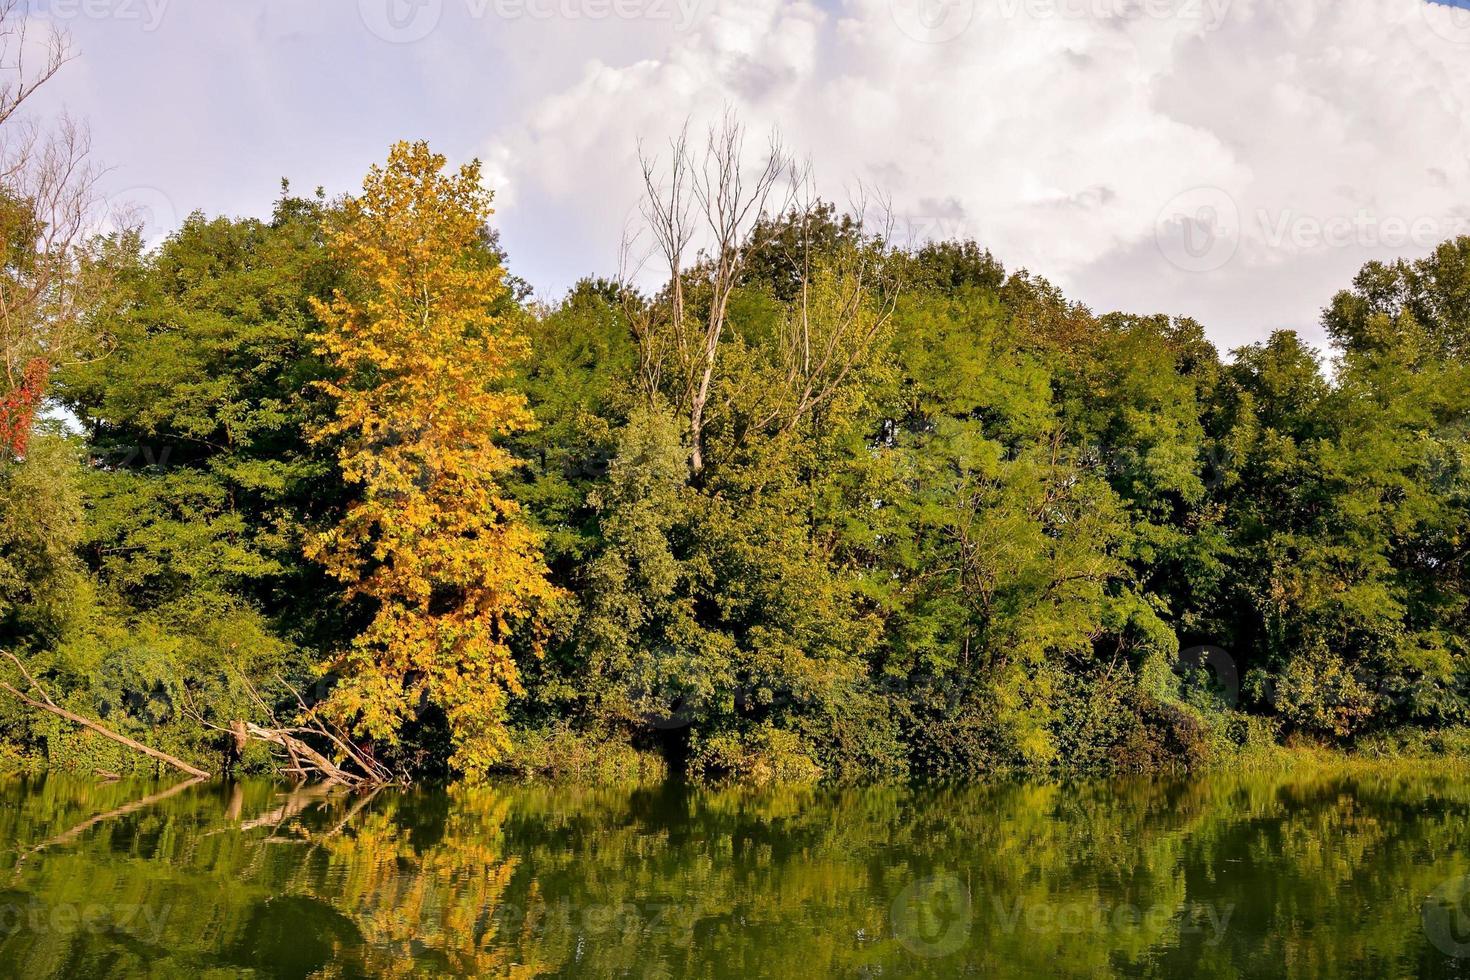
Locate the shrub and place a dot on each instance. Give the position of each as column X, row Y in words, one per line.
column 765, row 755
column 557, row 751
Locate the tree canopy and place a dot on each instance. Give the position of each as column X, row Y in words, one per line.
column 817, row 505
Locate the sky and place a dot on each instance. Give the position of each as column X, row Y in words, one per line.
column 1232, row 160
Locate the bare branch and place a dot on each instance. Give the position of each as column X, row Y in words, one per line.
column 50, row 706
column 19, row 79
column 731, row 196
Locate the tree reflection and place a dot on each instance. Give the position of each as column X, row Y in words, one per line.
column 1233, row 875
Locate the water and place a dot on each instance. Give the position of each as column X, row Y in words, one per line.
column 1228, row 876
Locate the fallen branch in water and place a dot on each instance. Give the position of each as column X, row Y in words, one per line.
column 304, row 760
column 376, row 772
column 296, row 802
column 356, row 808
column 87, row 723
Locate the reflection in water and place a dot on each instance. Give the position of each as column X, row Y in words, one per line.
column 1228, row 876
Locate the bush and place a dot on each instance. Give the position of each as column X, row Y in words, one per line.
column 557, row 751
column 860, row 739
column 764, row 755
column 955, row 736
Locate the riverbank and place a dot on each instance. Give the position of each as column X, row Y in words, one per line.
column 565, row 757
column 562, row 758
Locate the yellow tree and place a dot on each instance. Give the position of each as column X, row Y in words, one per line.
column 430, row 539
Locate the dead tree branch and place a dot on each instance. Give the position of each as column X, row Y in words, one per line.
column 50, row 706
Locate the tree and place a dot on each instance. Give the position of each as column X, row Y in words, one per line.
column 201, row 485
column 48, row 276
column 730, row 194
column 452, row 572
column 41, row 523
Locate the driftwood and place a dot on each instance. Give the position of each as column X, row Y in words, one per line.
column 374, row 772
column 49, row 705
column 305, row 761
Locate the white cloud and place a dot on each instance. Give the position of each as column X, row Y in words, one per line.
column 1055, row 132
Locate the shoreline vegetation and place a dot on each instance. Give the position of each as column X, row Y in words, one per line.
column 1402, row 753
column 344, row 501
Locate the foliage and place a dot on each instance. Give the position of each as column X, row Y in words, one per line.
column 941, row 520
column 430, row 538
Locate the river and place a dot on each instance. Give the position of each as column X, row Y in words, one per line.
column 1321, row 875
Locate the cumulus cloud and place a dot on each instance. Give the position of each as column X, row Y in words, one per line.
column 1235, row 160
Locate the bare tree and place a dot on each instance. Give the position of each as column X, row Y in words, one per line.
column 48, row 195
column 716, row 195
column 48, row 191
column 24, row 64
column 666, row 210
column 720, row 189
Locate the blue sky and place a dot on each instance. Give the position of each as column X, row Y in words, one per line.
column 1235, row 160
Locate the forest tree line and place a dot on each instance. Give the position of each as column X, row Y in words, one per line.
column 820, row 504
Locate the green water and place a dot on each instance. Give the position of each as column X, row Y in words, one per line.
column 1229, row 876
